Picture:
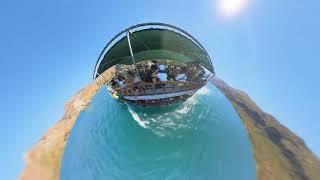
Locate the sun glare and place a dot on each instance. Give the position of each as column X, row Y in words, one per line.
column 231, row 7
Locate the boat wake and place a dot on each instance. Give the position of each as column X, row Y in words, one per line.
column 136, row 117
column 197, row 139
column 171, row 121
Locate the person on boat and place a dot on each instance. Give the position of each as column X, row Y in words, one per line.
column 155, row 63
column 171, row 72
column 162, row 75
column 113, row 83
column 182, row 76
column 121, row 81
column 151, row 73
column 132, row 77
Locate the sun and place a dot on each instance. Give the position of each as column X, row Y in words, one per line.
column 231, row 7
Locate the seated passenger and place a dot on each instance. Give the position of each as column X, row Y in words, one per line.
column 132, row 78
column 181, row 76
column 151, row 74
column 155, row 63
column 121, row 81
column 113, row 83
column 171, row 72
column 162, row 75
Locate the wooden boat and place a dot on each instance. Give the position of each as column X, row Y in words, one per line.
column 135, row 47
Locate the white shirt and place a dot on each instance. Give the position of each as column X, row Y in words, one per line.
column 181, row 77
column 136, row 79
column 121, row 83
column 162, row 76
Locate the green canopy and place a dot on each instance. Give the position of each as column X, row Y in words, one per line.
column 153, row 43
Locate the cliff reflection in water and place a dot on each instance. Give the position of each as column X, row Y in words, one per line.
column 202, row 138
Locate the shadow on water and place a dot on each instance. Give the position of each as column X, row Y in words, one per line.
column 202, row 138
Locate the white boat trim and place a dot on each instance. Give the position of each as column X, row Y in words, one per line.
column 159, row 96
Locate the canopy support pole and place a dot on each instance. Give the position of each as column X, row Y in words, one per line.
column 131, row 53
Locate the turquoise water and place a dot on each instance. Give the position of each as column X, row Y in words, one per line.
column 202, row 138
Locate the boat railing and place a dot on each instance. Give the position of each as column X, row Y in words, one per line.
column 164, row 87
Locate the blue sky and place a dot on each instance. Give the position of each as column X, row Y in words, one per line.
column 49, row 48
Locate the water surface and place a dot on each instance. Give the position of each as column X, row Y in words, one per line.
column 202, row 138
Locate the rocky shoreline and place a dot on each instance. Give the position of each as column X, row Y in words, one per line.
column 42, row 161
column 279, row 153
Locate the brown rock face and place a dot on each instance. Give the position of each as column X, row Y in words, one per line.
column 43, row 160
column 279, row 153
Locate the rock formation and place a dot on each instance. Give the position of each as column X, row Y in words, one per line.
column 43, row 160
column 279, row 153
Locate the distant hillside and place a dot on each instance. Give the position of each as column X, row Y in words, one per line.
column 279, row 153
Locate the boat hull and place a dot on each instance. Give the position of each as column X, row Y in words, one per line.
column 161, row 102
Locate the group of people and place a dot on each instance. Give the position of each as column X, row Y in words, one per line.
column 122, row 82
column 156, row 74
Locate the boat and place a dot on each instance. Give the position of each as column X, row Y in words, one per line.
column 155, row 64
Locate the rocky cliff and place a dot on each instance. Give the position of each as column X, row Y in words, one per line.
column 43, row 159
column 279, row 153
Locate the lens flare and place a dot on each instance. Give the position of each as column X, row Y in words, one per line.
column 231, row 7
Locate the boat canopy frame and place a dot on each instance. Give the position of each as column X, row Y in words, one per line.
column 119, row 50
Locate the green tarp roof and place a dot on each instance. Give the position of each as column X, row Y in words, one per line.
column 151, row 44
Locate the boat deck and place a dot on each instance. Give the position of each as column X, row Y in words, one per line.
column 166, row 92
